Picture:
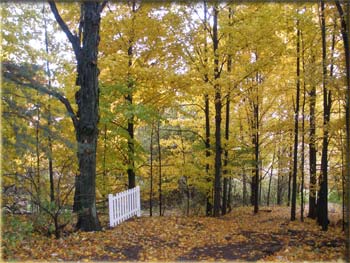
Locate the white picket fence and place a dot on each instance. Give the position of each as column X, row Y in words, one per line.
column 124, row 205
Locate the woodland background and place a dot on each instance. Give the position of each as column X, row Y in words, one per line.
column 207, row 106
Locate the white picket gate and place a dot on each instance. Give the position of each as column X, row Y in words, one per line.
column 124, row 205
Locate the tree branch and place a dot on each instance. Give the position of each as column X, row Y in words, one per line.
column 13, row 73
column 102, row 6
column 72, row 38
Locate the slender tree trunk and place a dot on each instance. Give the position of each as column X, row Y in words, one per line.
column 270, row 179
column 129, row 99
column 345, row 30
column 49, row 137
column 229, row 197
column 245, row 197
column 104, row 161
column 290, row 173
column 159, row 169
column 302, row 165
column 151, row 173
column 256, row 149
column 209, row 206
column 37, row 151
column 312, row 154
column 218, row 108
column 227, row 126
column 296, row 130
column 322, row 202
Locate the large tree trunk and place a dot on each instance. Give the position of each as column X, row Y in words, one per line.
column 87, row 99
column 296, row 124
column 218, row 108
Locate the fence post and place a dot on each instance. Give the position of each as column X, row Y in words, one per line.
column 111, row 212
column 138, row 200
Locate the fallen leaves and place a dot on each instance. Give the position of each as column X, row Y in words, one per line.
column 239, row 235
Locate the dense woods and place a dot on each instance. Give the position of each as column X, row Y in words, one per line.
column 208, row 106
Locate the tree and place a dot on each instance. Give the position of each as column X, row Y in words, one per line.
column 86, row 119
column 322, row 202
column 296, row 129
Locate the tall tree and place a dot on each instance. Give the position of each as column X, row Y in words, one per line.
column 296, row 129
column 85, row 121
column 345, row 31
column 322, row 202
column 218, row 109
column 129, row 99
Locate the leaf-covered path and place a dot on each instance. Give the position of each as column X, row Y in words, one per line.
column 238, row 236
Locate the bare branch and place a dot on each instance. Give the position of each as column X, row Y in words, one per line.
column 72, row 38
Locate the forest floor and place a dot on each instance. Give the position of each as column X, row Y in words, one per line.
column 240, row 235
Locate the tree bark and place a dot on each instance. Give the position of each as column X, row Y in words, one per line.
column 209, row 206
column 322, row 202
column 296, row 130
column 87, row 117
column 129, row 99
column 159, row 169
column 218, row 108
column 151, row 173
column 312, row 154
column 302, row 164
column 345, row 30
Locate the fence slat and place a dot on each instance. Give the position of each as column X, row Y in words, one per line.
column 124, row 205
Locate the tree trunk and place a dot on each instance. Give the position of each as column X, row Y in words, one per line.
column 49, row 136
column 209, row 206
column 290, row 173
column 218, row 107
column 302, row 165
column 312, row 154
column 322, row 202
column 345, row 30
column 229, row 197
column 159, row 169
column 270, row 179
column 151, row 173
column 256, row 149
column 129, row 99
column 104, row 162
column 87, row 99
column 245, row 197
column 279, row 176
column 296, row 130
column 227, row 126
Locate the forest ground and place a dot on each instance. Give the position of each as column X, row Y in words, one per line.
column 239, row 235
